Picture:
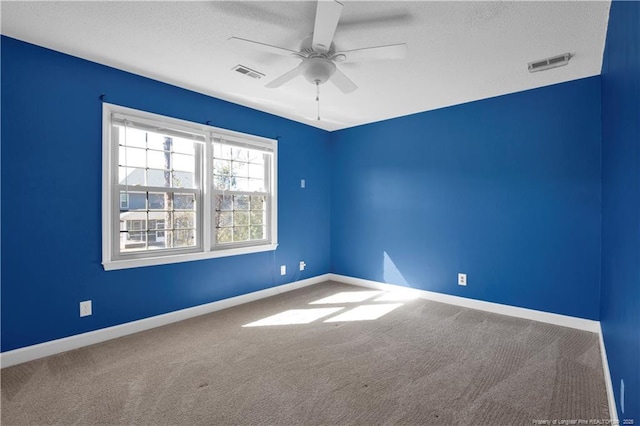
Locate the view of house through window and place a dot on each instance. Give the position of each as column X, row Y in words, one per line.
column 156, row 169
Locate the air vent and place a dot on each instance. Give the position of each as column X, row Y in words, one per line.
column 248, row 72
column 553, row 62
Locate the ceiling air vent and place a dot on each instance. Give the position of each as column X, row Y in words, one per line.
column 553, row 62
column 248, row 72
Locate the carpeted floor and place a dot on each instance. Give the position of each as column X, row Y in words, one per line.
column 421, row 363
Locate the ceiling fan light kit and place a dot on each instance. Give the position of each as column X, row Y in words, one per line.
column 317, row 70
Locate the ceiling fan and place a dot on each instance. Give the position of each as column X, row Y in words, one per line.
column 318, row 53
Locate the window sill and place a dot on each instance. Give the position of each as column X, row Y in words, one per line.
column 189, row 257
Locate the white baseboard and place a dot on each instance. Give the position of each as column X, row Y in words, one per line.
column 613, row 409
column 53, row 347
column 513, row 311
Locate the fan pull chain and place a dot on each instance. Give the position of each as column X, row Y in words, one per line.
column 318, row 97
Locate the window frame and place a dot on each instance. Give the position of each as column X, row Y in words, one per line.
column 206, row 247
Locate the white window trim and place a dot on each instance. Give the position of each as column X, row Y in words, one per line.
column 207, row 250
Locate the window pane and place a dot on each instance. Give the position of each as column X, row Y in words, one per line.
column 224, row 219
column 184, row 238
column 257, row 232
column 256, row 171
column 131, row 176
column 240, row 218
column 257, row 202
column 157, row 200
column 257, row 217
column 184, row 201
column 222, row 176
column 156, row 240
column 183, row 162
column 255, row 156
column 222, row 167
column 239, row 154
column 133, row 137
column 241, row 202
column 158, row 221
column 184, row 220
column 130, row 200
column 133, row 241
column 222, row 151
column 256, row 185
column 183, row 180
column 161, row 178
column 240, row 184
column 155, row 141
column 186, row 147
column 130, row 139
column 133, row 227
column 132, row 157
column 240, row 233
column 224, row 235
column 239, row 169
column 224, row 202
column 158, row 159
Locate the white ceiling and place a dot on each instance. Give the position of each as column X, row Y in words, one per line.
column 457, row 51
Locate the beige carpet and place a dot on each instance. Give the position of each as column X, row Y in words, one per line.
column 421, row 363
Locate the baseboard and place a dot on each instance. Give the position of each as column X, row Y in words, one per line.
column 29, row 353
column 514, row 311
column 613, row 408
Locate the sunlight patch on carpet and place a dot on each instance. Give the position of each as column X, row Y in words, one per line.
column 347, row 297
column 294, row 316
column 365, row 312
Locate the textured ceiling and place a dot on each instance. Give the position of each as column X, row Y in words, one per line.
column 457, row 51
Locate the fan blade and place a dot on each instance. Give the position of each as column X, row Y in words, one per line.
column 241, row 42
column 389, row 18
column 284, row 78
column 327, row 17
column 391, row 51
column 342, row 82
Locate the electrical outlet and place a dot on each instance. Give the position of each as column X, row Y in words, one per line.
column 283, row 270
column 303, row 184
column 462, row 279
column 85, row 308
column 302, row 265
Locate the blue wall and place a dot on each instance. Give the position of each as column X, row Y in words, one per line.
column 506, row 190
column 51, row 158
column 620, row 306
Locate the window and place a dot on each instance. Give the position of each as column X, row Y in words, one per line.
column 175, row 191
column 241, row 185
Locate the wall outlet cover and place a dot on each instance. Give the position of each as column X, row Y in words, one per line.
column 85, row 308
column 283, row 270
column 462, row 279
